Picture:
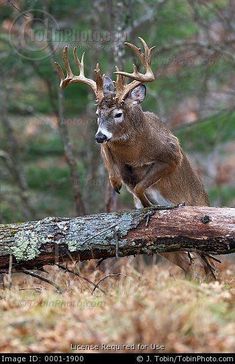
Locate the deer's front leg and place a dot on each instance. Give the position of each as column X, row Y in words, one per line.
column 112, row 168
column 156, row 171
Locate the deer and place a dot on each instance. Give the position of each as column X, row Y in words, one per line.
column 138, row 150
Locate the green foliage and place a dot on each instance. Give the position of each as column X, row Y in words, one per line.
column 222, row 195
column 174, row 21
column 33, row 93
column 7, row 212
column 51, row 186
column 205, row 136
column 53, row 180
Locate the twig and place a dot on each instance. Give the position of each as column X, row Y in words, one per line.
column 100, row 233
column 100, row 261
column 102, row 279
column 117, row 242
column 78, row 275
column 213, row 118
column 33, row 274
column 154, row 208
column 10, row 271
column 211, row 268
column 211, row 256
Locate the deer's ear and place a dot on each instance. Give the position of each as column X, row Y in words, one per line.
column 108, row 86
column 138, row 94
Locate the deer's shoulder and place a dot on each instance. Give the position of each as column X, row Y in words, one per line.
column 154, row 121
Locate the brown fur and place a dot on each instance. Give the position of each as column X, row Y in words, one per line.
column 140, row 151
column 143, row 153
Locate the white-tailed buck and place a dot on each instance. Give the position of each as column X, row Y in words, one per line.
column 138, row 150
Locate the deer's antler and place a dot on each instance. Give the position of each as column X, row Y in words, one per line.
column 96, row 86
column 145, row 58
column 122, row 89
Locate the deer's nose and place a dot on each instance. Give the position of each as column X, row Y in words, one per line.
column 100, row 137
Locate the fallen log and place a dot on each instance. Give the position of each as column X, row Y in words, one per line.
column 145, row 231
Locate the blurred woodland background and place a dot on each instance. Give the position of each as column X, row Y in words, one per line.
column 49, row 161
column 50, row 165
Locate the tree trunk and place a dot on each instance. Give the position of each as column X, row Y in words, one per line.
column 145, row 231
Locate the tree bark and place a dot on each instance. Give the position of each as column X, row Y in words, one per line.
column 145, row 231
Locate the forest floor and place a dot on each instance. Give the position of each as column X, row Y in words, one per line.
column 153, row 305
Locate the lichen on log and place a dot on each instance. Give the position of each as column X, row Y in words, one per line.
column 145, row 231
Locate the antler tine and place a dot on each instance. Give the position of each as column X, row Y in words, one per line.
column 60, row 73
column 80, row 64
column 71, row 78
column 99, row 83
column 136, row 76
column 66, row 63
column 147, row 50
column 119, row 83
column 64, row 80
column 145, row 58
column 81, row 78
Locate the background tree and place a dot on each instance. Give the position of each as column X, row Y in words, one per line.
column 49, row 161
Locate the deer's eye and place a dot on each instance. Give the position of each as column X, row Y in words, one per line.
column 118, row 115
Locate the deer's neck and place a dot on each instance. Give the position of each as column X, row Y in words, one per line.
column 136, row 130
column 129, row 148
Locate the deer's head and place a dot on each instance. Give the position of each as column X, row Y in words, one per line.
column 117, row 101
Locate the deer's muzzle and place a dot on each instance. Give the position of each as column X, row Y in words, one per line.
column 100, row 137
